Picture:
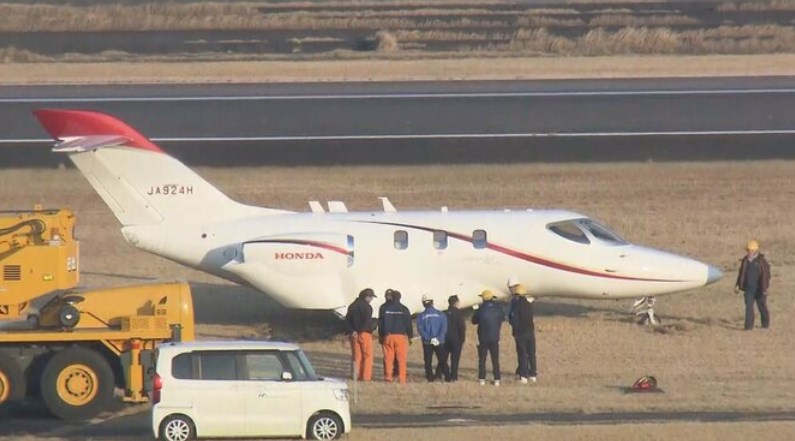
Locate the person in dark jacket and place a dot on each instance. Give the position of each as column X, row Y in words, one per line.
column 387, row 298
column 432, row 327
column 754, row 280
column 513, row 282
column 396, row 332
column 456, row 335
column 489, row 318
column 524, row 335
column 359, row 323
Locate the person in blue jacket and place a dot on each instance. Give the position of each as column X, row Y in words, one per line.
column 432, row 327
column 489, row 318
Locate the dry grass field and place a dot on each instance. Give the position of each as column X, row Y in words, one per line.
column 397, row 70
column 264, row 30
column 588, row 351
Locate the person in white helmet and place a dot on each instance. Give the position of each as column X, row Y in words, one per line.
column 432, row 327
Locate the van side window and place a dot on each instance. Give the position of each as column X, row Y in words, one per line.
column 218, row 366
column 440, row 240
column 182, row 367
column 264, row 366
column 479, row 239
column 401, row 239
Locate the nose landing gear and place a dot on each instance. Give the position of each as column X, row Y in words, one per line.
column 643, row 309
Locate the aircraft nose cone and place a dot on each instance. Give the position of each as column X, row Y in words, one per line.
column 713, row 274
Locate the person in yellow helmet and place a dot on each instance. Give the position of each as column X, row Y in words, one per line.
column 488, row 318
column 754, row 280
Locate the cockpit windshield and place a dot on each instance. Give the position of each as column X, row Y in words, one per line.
column 569, row 230
column 601, row 232
column 583, row 230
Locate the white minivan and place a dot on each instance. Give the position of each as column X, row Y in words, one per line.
column 244, row 389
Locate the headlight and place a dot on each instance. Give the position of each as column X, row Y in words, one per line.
column 341, row 394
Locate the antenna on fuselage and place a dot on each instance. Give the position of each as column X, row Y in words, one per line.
column 316, row 207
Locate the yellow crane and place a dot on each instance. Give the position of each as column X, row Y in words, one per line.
column 70, row 348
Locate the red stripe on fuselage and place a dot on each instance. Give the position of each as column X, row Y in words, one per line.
column 310, row 243
column 528, row 257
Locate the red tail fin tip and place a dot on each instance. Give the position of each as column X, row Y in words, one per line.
column 66, row 123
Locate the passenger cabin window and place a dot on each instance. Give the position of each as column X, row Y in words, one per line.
column 601, row 232
column 479, row 239
column 440, row 240
column 263, row 366
column 401, row 239
column 220, row 366
column 569, row 230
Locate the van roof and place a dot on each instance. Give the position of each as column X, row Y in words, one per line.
column 229, row 345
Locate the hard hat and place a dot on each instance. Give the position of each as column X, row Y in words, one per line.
column 520, row 290
column 513, row 280
column 487, row 295
column 752, row 245
column 426, row 299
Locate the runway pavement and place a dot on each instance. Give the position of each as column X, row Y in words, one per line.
column 133, row 423
column 437, row 122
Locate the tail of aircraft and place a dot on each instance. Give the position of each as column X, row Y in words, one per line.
column 138, row 181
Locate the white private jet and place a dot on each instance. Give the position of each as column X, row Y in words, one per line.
column 321, row 260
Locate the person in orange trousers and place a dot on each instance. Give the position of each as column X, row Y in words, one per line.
column 396, row 333
column 359, row 323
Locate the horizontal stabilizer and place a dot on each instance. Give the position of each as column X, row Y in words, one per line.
column 85, row 143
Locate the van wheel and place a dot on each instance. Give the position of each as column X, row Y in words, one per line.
column 324, row 426
column 177, row 428
column 76, row 384
column 12, row 380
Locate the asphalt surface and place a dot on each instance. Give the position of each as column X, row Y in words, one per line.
column 429, row 122
column 134, row 425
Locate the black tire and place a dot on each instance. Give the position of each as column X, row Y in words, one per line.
column 177, row 428
column 76, row 384
column 324, row 425
column 12, row 381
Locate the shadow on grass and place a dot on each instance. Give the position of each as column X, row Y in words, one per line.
column 221, row 304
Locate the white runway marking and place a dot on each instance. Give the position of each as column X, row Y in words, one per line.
column 594, row 93
column 443, row 136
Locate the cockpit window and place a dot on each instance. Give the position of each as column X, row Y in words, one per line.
column 601, row 232
column 569, row 230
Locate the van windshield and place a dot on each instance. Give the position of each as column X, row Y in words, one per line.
column 301, row 366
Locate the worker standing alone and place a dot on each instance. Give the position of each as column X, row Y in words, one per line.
column 359, row 321
column 524, row 335
column 488, row 318
column 432, row 327
column 396, row 331
column 754, row 280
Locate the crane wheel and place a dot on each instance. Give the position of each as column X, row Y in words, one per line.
column 77, row 384
column 12, row 380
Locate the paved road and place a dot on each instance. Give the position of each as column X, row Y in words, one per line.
column 584, row 120
column 134, row 425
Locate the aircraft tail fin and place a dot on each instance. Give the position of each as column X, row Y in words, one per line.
column 138, row 181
